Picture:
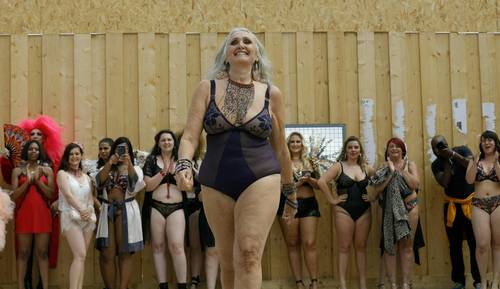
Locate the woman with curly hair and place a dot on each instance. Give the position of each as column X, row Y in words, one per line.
column 351, row 174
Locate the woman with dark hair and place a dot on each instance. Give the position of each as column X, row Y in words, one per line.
column 301, row 231
column 77, row 211
column 352, row 207
column 484, row 171
column 105, row 145
column 247, row 159
column 163, row 214
column 398, row 181
column 33, row 185
column 119, row 231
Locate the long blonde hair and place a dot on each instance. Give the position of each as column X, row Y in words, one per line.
column 303, row 153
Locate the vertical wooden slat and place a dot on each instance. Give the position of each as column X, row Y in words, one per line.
column 396, row 58
column 320, row 74
column 208, row 49
column 193, row 59
column 305, row 83
column 66, row 87
column 497, row 79
column 18, row 77
column 4, row 82
column 163, row 81
column 368, row 107
column 434, row 198
column 34, row 76
column 489, row 87
column 350, row 92
column 147, row 89
column 289, row 88
column 130, row 88
column 83, row 93
column 473, row 86
column 98, row 92
column 177, row 76
column 335, row 75
column 51, row 78
column 115, row 118
column 458, row 88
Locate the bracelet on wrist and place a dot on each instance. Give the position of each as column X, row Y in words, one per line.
column 288, row 189
column 183, row 164
column 292, row 203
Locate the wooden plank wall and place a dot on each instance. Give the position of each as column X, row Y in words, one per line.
column 379, row 84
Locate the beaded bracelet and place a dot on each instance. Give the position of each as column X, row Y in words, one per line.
column 183, row 164
column 287, row 189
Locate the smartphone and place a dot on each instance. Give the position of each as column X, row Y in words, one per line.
column 306, row 173
column 120, row 149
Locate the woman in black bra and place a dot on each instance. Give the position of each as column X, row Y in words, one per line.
column 163, row 214
column 352, row 207
column 484, row 172
column 302, row 230
column 397, row 181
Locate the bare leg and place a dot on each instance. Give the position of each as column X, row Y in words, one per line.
column 195, row 254
column 219, row 211
column 125, row 259
column 42, row 255
column 76, row 242
column 211, row 266
column 176, row 226
column 158, row 225
column 406, row 249
column 107, row 259
column 308, row 234
column 495, row 232
column 291, row 235
column 360, row 239
column 24, row 242
column 482, row 233
column 254, row 214
column 344, row 225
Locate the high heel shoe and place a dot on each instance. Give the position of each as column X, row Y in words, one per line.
column 313, row 280
column 300, row 283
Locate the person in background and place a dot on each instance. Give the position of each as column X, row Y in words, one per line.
column 449, row 171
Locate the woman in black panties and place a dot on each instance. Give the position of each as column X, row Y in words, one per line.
column 484, row 172
column 163, row 214
column 301, row 232
column 352, row 207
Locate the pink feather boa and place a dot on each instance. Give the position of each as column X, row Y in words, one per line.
column 6, row 213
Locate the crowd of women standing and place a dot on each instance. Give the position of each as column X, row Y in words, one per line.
column 234, row 190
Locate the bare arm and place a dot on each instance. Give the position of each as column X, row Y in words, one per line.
column 443, row 178
column 192, row 131
column 47, row 189
column 18, row 190
column 323, row 184
column 410, row 174
column 470, row 174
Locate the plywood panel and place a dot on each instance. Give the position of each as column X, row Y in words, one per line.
column 19, row 77
column 147, row 89
column 177, row 80
column 114, row 85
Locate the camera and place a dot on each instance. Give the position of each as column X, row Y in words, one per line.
column 441, row 145
column 120, row 149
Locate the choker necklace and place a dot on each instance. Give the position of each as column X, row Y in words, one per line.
column 237, row 100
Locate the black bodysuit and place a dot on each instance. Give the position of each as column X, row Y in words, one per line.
column 354, row 204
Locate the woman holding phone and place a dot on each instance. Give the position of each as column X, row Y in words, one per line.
column 119, row 231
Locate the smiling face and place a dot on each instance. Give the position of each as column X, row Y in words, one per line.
column 166, row 142
column 36, row 134
column 241, row 49
column 295, row 145
column 488, row 145
column 394, row 152
column 75, row 157
column 353, row 150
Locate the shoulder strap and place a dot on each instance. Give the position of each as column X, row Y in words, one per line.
column 212, row 90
